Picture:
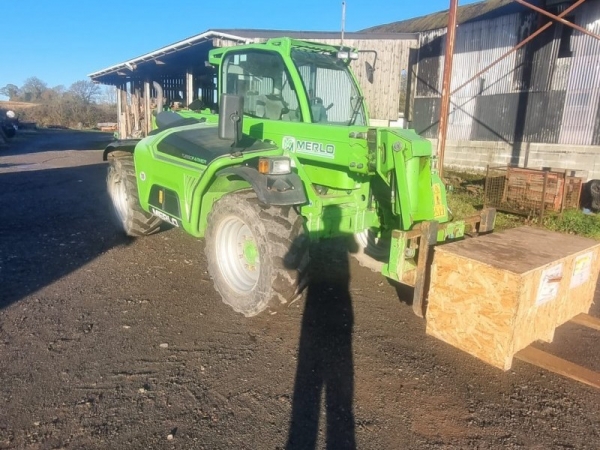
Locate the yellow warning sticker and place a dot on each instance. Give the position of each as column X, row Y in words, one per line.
column 438, row 204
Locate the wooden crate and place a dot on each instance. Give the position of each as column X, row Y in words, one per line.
column 526, row 191
column 494, row 295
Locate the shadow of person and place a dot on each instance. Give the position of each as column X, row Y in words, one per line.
column 325, row 366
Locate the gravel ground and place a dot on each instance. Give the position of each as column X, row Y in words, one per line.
column 107, row 342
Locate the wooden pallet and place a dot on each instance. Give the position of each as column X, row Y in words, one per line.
column 561, row 366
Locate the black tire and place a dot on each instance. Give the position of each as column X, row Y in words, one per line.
column 369, row 251
column 257, row 254
column 122, row 190
column 593, row 187
column 9, row 131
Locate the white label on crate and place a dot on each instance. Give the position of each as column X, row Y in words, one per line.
column 549, row 283
column 582, row 269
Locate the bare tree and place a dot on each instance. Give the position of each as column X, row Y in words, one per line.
column 11, row 91
column 76, row 107
column 85, row 90
column 32, row 89
column 52, row 95
column 108, row 95
column 60, row 89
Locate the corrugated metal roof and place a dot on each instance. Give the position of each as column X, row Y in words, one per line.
column 486, row 9
column 268, row 34
column 169, row 49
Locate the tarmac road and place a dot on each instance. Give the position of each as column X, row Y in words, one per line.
column 112, row 343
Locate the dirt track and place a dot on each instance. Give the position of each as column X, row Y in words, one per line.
column 113, row 343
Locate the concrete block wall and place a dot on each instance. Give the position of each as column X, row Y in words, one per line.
column 476, row 155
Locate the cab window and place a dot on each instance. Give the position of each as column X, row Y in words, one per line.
column 262, row 79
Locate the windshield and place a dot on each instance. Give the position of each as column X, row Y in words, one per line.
column 332, row 93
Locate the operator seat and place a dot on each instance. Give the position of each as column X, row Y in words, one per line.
column 271, row 106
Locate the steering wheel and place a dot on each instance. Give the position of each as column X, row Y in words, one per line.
column 318, row 101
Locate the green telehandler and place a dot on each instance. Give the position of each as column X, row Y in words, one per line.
column 289, row 158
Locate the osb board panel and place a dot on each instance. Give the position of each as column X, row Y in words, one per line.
column 566, row 296
column 491, row 307
column 472, row 307
column 520, row 249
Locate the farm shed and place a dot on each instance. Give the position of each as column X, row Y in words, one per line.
column 186, row 81
column 538, row 107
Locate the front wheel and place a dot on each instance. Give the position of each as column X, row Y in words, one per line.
column 257, row 254
column 370, row 251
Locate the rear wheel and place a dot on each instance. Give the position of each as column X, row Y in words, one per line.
column 122, row 189
column 257, row 254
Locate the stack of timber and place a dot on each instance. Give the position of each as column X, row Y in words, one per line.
column 494, row 295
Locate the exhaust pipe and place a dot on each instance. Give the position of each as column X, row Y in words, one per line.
column 159, row 96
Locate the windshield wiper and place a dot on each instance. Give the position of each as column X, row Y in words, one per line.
column 356, row 109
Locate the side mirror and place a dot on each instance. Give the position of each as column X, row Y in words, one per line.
column 370, row 71
column 370, row 68
column 231, row 117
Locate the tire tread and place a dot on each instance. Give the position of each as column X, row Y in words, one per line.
column 286, row 243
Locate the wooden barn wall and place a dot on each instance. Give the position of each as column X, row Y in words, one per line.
column 542, row 93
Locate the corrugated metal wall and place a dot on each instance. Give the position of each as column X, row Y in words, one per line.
column 541, row 93
column 582, row 104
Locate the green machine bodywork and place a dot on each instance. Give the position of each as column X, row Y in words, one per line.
column 353, row 177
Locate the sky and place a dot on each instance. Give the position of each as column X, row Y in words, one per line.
column 62, row 41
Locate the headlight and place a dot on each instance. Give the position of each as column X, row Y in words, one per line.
column 274, row 166
column 343, row 54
